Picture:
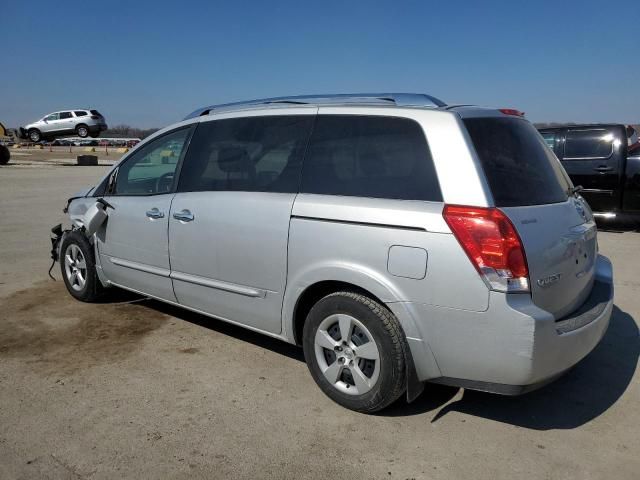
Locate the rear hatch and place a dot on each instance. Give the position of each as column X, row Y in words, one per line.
column 556, row 227
column 96, row 115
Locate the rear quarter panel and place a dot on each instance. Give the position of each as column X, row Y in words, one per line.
column 348, row 239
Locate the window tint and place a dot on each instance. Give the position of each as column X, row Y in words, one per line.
column 520, row 168
column 53, row 116
column 80, row 113
column 259, row 154
column 367, row 156
column 588, row 144
column 95, row 112
column 151, row 169
column 64, row 115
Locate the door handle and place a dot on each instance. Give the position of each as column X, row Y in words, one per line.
column 603, row 169
column 184, row 216
column 155, row 213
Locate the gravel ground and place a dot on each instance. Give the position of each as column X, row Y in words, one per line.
column 137, row 389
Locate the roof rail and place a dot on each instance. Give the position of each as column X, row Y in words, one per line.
column 397, row 99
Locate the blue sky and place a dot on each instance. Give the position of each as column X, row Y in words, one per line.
column 148, row 64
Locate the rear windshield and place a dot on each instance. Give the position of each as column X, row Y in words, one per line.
column 95, row 112
column 519, row 166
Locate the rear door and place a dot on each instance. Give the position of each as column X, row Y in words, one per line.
column 229, row 224
column 66, row 122
column 593, row 159
column 529, row 185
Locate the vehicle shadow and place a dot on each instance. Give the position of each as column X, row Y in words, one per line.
column 255, row 338
column 584, row 393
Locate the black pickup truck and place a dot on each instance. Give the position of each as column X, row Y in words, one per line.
column 604, row 159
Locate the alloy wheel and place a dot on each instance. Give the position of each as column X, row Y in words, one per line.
column 75, row 267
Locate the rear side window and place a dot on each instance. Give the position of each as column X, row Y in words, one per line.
column 369, row 156
column 519, row 166
column 64, row 115
column 254, row 154
column 593, row 143
column 80, row 113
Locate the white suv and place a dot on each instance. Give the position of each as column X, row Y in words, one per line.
column 80, row 122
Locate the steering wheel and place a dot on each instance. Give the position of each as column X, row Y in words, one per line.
column 164, row 182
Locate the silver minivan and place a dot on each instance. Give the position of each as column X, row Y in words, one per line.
column 398, row 240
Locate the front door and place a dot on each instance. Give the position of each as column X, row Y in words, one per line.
column 229, row 222
column 133, row 241
column 50, row 123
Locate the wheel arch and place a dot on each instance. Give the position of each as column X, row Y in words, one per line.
column 306, row 288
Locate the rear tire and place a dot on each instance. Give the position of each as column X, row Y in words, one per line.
column 78, row 267
column 355, row 351
column 82, row 131
column 34, row 135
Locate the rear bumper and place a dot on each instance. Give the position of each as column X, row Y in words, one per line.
column 98, row 127
column 514, row 346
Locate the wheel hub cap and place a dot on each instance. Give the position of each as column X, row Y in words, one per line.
column 347, row 354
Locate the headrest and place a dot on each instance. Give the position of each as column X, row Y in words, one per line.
column 233, row 159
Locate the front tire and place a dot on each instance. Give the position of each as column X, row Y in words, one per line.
column 78, row 267
column 82, row 131
column 355, row 351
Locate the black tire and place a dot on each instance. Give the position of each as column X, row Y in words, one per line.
column 5, row 155
column 34, row 135
column 82, row 130
column 92, row 289
column 389, row 339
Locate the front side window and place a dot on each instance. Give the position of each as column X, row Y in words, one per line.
column 257, row 154
column 594, row 143
column 370, row 156
column 64, row 115
column 53, row 116
column 151, row 170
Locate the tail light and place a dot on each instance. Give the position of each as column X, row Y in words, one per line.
column 492, row 244
column 95, row 117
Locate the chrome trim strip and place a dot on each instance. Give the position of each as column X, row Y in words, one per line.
column 219, row 285
column 162, row 272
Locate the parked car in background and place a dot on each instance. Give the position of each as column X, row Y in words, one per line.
column 600, row 159
column 81, row 122
column 398, row 240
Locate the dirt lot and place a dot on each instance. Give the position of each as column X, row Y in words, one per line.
column 136, row 389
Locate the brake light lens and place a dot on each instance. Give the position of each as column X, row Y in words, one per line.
column 492, row 244
column 512, row 111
